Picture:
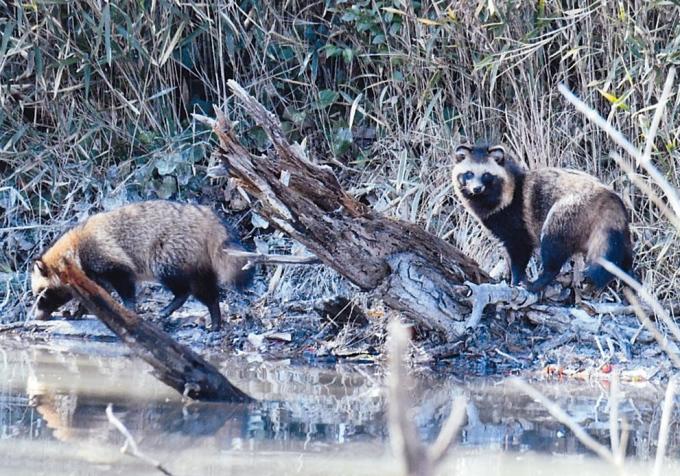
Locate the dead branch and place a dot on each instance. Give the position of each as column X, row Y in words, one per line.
column 414, row 272
column 175, row 365
column 481, row 295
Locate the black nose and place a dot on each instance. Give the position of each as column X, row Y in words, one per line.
column 478, row 189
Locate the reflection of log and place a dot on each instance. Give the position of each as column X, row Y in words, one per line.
column 173, row 364
column 412, row 270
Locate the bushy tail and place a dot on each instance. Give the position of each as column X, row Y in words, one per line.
column 616, row 248
column 229, row 268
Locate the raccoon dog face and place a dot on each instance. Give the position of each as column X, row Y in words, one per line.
column 481, row 179
column 50, row 294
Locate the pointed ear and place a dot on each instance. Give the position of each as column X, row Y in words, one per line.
column 497, row 152
column 461, row 152
column 41, row 267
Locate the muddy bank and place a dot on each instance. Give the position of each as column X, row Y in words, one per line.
column 324, row 327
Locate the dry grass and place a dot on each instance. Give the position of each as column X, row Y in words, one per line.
column 95, row 103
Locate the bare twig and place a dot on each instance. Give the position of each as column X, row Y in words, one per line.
column 567, row 420
column 644, row 294
column 664, row 427
column 263, row 258
column 641, row 159
column 651, row 327
column 130, row 446
column 658, row 114
column 614, row 436
column 403, row 432
column 449, row 432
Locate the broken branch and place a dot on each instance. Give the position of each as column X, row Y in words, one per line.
column 175, row 365
column 413, row 271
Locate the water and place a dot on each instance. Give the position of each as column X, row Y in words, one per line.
column 310, row 420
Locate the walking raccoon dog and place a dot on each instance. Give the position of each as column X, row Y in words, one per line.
column 560, row 211
column 180, row 246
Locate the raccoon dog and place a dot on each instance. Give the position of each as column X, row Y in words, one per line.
column 560, row 211
column 180, row 246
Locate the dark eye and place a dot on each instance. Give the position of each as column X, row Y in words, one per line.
column 462, row 178
column 487, row 177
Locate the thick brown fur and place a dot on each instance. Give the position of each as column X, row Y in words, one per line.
column 179, row 245
column 560, row 211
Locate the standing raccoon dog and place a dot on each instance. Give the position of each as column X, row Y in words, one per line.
column 180, row 246
column 561, row 211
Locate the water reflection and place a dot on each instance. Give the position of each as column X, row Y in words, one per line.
column 50, row 394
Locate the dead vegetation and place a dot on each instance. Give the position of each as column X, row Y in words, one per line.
column 96, row 102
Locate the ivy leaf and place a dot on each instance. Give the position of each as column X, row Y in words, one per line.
column 347, row 55
column 327, row 97
column 342, row 141
column 165, row 188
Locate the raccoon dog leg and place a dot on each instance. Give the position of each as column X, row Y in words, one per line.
column 177, row 302
column 122, row 281
column 178, row 283
column 519, row 258
column 612, row 245
column 204, row 287
column 557, row 240
column 554, row 254
column 125, row 287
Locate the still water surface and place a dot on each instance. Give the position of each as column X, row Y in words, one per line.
column 309, row 420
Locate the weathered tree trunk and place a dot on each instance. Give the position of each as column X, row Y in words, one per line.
column 413, row 271
column 173, row 364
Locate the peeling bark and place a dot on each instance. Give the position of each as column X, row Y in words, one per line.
column 413, row 271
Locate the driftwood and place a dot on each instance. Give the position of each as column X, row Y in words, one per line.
column 173, row 364
column 413, row 271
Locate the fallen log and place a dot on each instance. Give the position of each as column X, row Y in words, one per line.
column 173, row 364
column 413, row 271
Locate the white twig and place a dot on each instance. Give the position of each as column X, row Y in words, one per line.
column 647, row 190
column 614, row 435
column 263, row 258
column 403, row 433
column 449, row 432
column 563, row 417
column 664, row 427
column 658, row 113
column 651, row 327
column 130, row 446
column 419, row 460
column 208, row 121
column 617, row 137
